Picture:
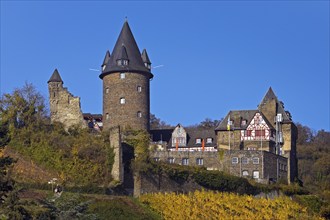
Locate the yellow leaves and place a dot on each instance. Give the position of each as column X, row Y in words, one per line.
column 212, row 205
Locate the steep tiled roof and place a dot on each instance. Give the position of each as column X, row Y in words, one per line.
column 145, row 57
column 55, row 77
column 270, row 95
column 106, row 58
column 126, row 44
column 194, row 133
column 237, row 117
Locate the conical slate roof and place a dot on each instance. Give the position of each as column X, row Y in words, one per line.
column 55, row 77
column 145, row 57
column 126, row 43
column 106, row 58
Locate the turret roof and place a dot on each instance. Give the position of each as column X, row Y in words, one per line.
column 126, row 43
column 106, row 58
column 55, row 77
column 145, row 57
column 270, row 95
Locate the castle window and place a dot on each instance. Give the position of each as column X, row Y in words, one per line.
column 122, row 75
column 122, row 101
column 185, row 161
column 139, row 89
column 107, row 90
column 260, row 133
column 122, row 62
column 198, row 141
column 156, row 159
column 234, row 160
column 199, row 161
column 245, row 160
column 245, row 173
column 255, row 160
column 54, row 94
column 209, row 140
column 107, row 117
column 103, row 67
column 255, row 174
column 139, row 114
column 170, row 160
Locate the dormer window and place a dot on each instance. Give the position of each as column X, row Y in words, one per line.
column 243, row 123
column 122, row 62
column 198, row 141
column 123, row 58
column 209, row 140
column 147, row 65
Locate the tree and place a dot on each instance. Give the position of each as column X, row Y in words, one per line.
column 305, row 134
column 209, row 123
column 156, row 123
column 22, row 108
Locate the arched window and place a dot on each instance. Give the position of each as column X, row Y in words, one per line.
column 245, row 173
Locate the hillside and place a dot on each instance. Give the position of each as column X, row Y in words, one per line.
column 26, row 170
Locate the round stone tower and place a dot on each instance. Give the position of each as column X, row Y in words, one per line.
column 126, row 84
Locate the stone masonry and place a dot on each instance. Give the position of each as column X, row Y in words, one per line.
column 117, row 171
column 64, row 107
column 126, row 100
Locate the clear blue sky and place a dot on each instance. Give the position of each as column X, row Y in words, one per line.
column 217, row 55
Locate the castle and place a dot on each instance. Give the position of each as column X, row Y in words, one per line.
column 258, row 144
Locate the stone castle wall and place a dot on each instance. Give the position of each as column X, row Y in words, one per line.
column 134, row 113
column 64, row 107
column 270, row 166
column 117, row 171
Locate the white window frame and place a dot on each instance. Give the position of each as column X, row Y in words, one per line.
column 185, row 161
column 255, row 174
column 122, row 101
column 245, row 173
column 122, row 75
column 139, row 88
column 255, row 160
column 234, row 160
column 245, row 160
column 200, row 161
column 171, row 160
column 107, row 90
column 198, row 141
column 209, row 140
column 139, row 114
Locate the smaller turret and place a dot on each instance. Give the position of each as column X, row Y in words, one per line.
column 106, row 60
column 145, row 59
